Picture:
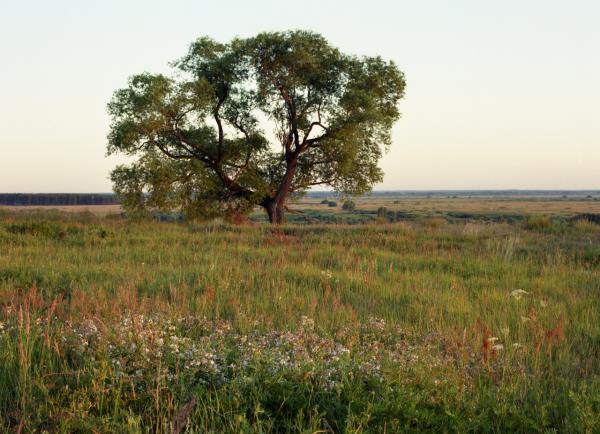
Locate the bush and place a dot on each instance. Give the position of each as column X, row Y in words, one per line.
column 589, row 217
column 384, row 214
column 325, row 202
column 332, row 203
column 349, row 205
column 43, row 229
column 584, row 225
column 538, row 223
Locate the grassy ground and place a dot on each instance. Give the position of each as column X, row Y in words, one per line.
column 426, row 325
column 98, row 210
column 507, row 205
column 435, row 206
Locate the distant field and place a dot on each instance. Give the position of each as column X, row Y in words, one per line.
column 509, row 205
column 422, row 206
column 429, row 324
column 100, row 210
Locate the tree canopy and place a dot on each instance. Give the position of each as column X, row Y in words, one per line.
column 250, row 122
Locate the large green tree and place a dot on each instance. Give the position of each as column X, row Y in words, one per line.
column 251, row 122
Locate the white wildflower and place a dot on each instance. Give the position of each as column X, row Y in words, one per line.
column 327, row 273
column 517, row 294
column 307, row 323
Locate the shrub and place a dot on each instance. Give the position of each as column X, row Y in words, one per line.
column 332, row 203
column 584, row 225
column 538, row 223
column 589, row 217
column 349, row 205
column 382, row 211
column 43, row 229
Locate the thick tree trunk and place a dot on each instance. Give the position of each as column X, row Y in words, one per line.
column 275, row 211
column 280, row 215
column 275, row 206
column 271, row 211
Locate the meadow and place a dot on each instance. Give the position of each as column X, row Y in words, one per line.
column 436, row 323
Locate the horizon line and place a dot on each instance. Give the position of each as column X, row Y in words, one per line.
column 433, row 190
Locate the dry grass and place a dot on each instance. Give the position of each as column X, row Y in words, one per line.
column 99, row 210
column 556, row 207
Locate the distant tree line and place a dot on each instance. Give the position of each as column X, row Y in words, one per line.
column 43, row 199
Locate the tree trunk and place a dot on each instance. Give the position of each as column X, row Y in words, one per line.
column 280, row 215
column 275, row 206
column 271, row 211
column 275, row 211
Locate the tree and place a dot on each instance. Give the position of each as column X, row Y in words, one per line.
column 252, row 122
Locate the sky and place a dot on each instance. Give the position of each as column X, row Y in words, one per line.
column 500, row 95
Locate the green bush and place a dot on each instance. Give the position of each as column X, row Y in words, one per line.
column 382, row 211
column 43, row 229
column 538, row 223
column 349, row 205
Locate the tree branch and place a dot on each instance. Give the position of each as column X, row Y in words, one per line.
column 306, row 142
column 170, row 154
column 220, row 127
column 292, row 117
column 311, row 184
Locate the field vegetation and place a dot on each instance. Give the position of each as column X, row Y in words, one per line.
column 431, row 323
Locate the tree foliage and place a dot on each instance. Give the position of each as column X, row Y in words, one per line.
column 250, row 122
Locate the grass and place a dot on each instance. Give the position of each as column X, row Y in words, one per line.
column 424, row 325
column 502, row 205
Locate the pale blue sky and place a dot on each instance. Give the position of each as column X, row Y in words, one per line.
column 500, row 94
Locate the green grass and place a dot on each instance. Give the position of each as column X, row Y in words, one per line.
column 303, row 328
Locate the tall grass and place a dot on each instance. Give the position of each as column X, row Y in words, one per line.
column 114, row 326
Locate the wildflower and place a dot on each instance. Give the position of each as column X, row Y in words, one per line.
column 497, row 347
column 517, row 345
column 377, row 323
column 543, row 303
column 327, row 274
column 505, row 331
column 307, row 323
column 517, row 294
